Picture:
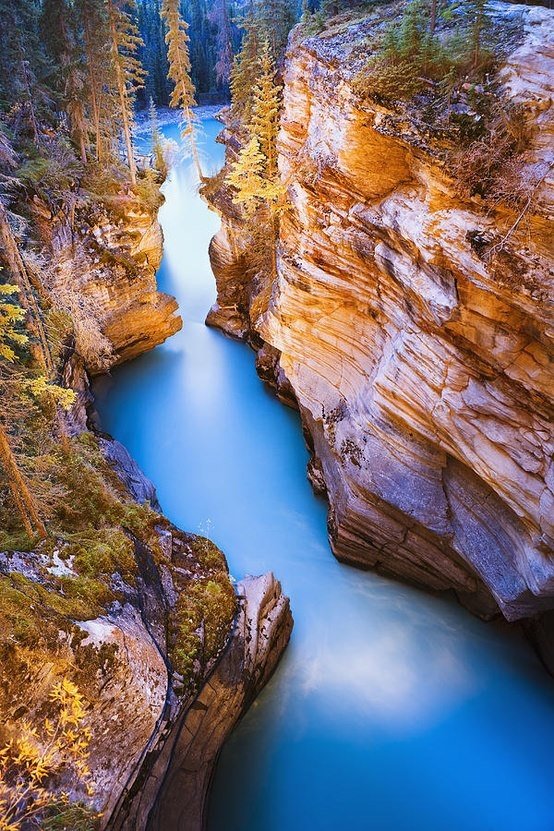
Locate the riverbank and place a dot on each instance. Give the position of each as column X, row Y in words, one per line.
column 130, row 617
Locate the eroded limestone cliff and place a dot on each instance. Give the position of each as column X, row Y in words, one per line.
column 412, row 326
column 107, row 254
column 155, row 734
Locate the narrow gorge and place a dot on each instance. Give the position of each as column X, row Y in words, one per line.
column 313, row 318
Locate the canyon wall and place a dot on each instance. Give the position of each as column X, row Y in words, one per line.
column 109, row 606
column 421, row 364
column 154, row 736
column 108, row 253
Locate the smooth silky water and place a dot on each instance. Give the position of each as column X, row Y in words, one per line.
column 392, row 710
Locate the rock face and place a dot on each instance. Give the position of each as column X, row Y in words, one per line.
column 109, row 258
column 422, row 369
column 154, row 740
column 174, row 795
column 160, row 699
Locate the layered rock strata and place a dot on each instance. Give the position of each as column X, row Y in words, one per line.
column 421, row 364
column 107, row 257
column 174, row 795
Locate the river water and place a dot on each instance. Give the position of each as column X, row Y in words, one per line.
column 392, row 710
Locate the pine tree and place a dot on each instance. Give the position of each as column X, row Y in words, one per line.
column 11, row 316
column 100, row 84
column 266, row 106
column 247, row 176
column 20, row 275
column 153, row 54
column 156, row 139
column 182, row 97
column 22, row 65
column 60, row 39
column 129, row 74
column 478, row 26
column 19, row 489
column 276, row 18
column 255, row 176
column 244, row 73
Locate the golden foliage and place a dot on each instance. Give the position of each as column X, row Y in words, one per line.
column 254, row 176
column 177, row 40
column 244, row 72
column 178, row 57
column 11, row 315
column 30, row 762
column 41, row 388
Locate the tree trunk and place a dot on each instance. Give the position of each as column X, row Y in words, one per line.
column 193, row 145
column 24, row 502
column 26, row 295
column 123, row 99
column 93, row 73
column 32, row 116
column 433, row 20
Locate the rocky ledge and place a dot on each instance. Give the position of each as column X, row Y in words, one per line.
column 174, row 794
column 105, row 261
column 421, row 366
column 140, row 619
column 155, row 728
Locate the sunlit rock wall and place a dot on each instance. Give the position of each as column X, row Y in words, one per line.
column 423, row 373
column 108, row 258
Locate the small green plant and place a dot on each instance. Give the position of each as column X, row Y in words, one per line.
column 203, row 614
column 415, row 55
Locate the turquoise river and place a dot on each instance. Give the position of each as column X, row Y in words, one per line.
column 392, row 710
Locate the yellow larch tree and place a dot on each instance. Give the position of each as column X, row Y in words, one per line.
column 245, row 69
column 266, row 106
column 183, row 95
column 129, row 74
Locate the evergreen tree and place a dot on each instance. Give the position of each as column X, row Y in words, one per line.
column 22, row 65
column 18, row 272
column 266, row 104
column 11, row 316
column 202, row 45
column 102, row 99
column 153, row 54
column 478, row 27
column 19, row 489
column 247, row 177
column 254, row 176
column 60, row 39
column 156, row 140
column 244, row 73
column 129, row 74
column 276, row 18
column 183, row 95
